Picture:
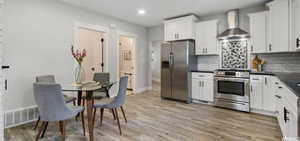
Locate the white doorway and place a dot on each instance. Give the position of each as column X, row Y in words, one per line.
column 127, row 60
column 94, row 40
column 155, row 56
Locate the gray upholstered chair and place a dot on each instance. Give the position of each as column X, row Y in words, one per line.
column 117, row 102
column 51, row 79
column 52, row 107
column 101, row 77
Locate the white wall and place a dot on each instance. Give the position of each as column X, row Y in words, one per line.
column 38, row 35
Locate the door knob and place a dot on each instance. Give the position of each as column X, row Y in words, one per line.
column 93, row 69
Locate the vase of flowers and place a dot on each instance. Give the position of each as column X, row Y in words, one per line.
column 79, row 71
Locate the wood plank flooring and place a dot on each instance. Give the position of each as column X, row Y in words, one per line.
column 152, row 119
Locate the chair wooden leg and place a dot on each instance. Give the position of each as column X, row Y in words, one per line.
column 74, row 103
column 94, row 116
column 37, row 123
column 101, row 116
column 117, row 117
column 62, row 129
column 40, row 131
column 83, row 124
column 113, row 113
column 83, row 102
column 123, row 114
column 45, row 129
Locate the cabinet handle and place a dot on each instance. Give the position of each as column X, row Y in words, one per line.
column 177, row 36
column 279, row 97
column 285, row 116
column 251, row 88
column 280, row 87
column 266, row 82
column 203, row 50
column 270, row 47
column 200, row 84
column 276, row 83
column 252, row 48
column 5, row 84
column 297, row 42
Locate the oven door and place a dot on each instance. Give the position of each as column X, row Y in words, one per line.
column 235, row 89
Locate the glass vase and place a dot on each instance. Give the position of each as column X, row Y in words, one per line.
column 79, row 74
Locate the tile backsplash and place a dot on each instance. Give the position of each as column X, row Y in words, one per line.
column 208, row 62
column 281, row 62
column 278, row 62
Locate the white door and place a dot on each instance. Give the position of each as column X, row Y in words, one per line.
column 90, row 40
column 207, row 90
column 196, row 89
column 258, row 30
column 279, row 26
column 256, row 92
column 297, row 23
column 2, row 78
column 126, row 46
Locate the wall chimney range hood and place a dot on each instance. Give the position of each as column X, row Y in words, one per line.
column 233, row 31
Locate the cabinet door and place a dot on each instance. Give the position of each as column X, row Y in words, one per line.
column 297, row 23
column 206, row 37
column 258, row 31
column 183, row 29
column 256, row 95
column 269, row 93
column 170, row 30
column 279, row 26
column 292, row 125
column 207, row 90
column 196, row 89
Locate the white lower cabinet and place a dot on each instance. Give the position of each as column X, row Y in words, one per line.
column 262, row 93
column 202, row 87
column 286, row 111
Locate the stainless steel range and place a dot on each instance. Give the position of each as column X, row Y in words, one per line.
column 232, row 89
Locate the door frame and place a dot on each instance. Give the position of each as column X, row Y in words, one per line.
column 97, row 28
column 134, row 36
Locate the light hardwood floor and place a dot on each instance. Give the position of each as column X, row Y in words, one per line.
column 152, row 119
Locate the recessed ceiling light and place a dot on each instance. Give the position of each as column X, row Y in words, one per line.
column 141, row 12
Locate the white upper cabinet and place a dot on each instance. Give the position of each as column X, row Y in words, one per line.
column 180, row 28
column 206, row 38
column 279, row 26
column 296, row 19
column 258, row 31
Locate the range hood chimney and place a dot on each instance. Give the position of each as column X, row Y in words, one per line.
column 233, row 31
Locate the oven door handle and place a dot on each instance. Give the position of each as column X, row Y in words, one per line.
column 244, row 80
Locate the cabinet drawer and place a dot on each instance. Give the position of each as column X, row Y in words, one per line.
column 256, row 78
column 197, row 75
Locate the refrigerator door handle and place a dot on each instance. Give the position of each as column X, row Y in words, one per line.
column 171, row 58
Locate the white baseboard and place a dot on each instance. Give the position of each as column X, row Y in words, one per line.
column 156, row 80
column 140, row 90
column 263, row 112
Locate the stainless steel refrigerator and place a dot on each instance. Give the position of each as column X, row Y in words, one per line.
column 177, row 61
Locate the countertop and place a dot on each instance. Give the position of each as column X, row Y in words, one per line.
column 291, row 80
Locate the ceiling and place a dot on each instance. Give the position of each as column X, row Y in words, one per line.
column 157, row 10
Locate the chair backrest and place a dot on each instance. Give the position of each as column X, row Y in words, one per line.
column 101, row 77
column 120, row 98
column 46, row 78
column 50, row 101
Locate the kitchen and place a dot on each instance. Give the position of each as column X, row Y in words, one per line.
column 171, row 70
column 255, row 72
